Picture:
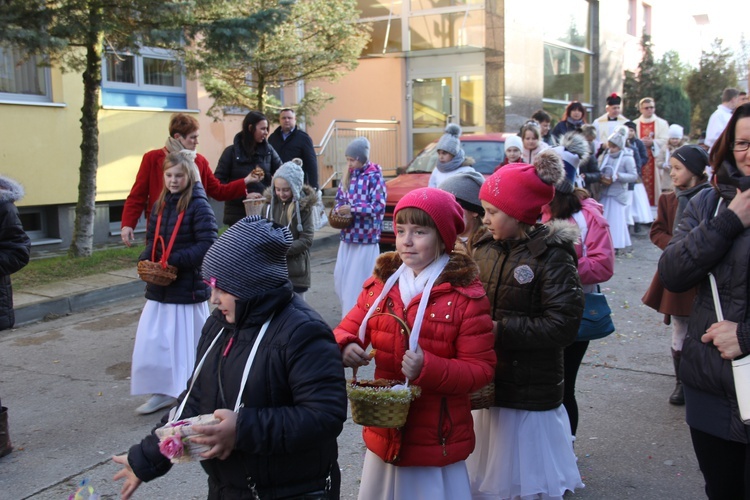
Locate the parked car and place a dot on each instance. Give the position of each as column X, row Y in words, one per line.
column 487, row 150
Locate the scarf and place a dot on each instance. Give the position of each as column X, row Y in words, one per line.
column 575, row 123
column 411, row 285
column 683, row 197
column 728, row 178
column 452, row 165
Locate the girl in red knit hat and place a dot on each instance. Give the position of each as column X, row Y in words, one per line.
column 524, row 444
column 448, row 352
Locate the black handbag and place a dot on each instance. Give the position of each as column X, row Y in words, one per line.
column 597, row 318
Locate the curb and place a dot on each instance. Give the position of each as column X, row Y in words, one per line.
column 63, row 306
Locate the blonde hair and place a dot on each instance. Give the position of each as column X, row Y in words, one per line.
column 186, row 160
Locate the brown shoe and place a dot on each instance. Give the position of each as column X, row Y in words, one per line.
column 5, row 446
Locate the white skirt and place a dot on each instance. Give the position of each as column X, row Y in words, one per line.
column 640, row 210
column 382, row 481
column 354, row 264
column 616, row 214
column 630, row 208
column 165, row 345
column 522, row 455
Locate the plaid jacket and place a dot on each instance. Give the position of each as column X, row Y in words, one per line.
column 366, row 196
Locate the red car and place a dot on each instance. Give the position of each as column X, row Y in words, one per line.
column 487, row 150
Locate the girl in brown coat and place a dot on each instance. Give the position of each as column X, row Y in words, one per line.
column 687, row 171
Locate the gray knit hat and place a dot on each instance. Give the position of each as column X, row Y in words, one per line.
column 249, row 258
column 291, row 172
column 619, row 136
column 465, row 187
column 450, row 142
column 359, row 148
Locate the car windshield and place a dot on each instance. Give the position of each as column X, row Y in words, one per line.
column 486, row 154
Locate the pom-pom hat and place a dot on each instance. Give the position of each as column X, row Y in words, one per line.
column 521, row 190
column 619, row 136
column 442, row 208
column 249, row 258
column 359, row 149
column 450, row 142
column 613, row 99
column 291, row 172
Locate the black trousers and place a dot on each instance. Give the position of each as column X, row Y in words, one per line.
column 573, row 356
column 725, row 466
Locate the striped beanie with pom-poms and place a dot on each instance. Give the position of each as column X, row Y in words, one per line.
column 249, row 258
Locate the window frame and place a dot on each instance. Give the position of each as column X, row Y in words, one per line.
column 18, row 97
column 140, row 85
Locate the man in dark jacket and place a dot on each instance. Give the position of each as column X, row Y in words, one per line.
column 279, row 440
column 290, row 142
column 15, row 248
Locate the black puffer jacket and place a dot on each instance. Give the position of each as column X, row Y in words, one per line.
column 195, row 236
column 236, row 164
column 294, row 404
column 15, row 247
column 298, row 144
column 718, row 244
column 536, row 297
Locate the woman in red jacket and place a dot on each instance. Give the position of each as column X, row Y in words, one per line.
column 448, row 354
column 183, row 134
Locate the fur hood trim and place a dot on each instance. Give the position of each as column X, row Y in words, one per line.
column 10, row 190
column 575, row 143
column 309, row 197
column 560, row 232
column 461, row 270
column 469, row 161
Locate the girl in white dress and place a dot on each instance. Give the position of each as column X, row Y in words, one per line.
column 618, row 167
column 448, row 352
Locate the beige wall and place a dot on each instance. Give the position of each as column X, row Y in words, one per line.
column 612, row 45
column 375, row 91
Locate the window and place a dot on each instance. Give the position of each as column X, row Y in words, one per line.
column 152, row 78
column 385, row 37
column 22, row 78
column 439, row 31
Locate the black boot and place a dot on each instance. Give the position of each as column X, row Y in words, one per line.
column 677, row 397
column 5, row 446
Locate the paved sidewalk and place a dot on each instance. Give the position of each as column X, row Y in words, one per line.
column 58, row 299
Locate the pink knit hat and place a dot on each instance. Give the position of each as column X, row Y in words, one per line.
column 521, row 190
column 442, row 208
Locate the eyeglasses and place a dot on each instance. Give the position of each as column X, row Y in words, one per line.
column 740, row 146
column 648, row 107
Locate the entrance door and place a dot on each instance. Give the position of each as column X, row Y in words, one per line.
column 443, row 98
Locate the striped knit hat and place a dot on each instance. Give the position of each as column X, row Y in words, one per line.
column 249, row 258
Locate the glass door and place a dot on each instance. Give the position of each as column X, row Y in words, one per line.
column 437, row 100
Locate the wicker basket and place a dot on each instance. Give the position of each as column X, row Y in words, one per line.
column 154, row 273
column 253, row 206
column 338, row 221
column 183, row 430
column 483, row 398
column 375, row 404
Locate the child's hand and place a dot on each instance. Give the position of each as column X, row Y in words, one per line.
column 354, row 356
column 411, row 366
column 344, row 210
column 220, row 437
column 131, row 480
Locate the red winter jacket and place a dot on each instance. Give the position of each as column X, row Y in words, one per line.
column 150, row 181
column 459, row 358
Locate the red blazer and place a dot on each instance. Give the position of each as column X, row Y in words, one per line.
column 459, row 359
column 149, row 183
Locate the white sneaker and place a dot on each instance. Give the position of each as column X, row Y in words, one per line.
column 155, row 402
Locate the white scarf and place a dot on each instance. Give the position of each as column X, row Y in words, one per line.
column 431, row 273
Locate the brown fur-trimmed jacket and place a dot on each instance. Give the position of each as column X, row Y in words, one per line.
column 536, row 297
column 456, row 338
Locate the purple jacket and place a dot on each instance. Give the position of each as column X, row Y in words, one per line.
column 366, row 196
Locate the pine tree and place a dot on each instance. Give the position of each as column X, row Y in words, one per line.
column 715, row 72
column 74, row 33
column 319, row 40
